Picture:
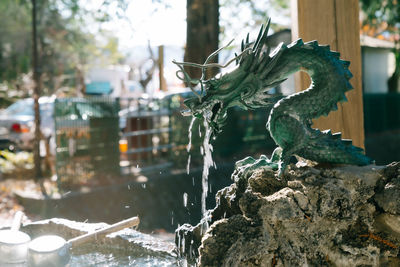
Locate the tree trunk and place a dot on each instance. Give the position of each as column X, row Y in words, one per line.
column 36, row 94
column 202, row 34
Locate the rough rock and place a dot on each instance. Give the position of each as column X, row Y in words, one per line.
column 313, row 216
column 389, row 198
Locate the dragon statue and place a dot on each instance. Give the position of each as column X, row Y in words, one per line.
column 289, row 121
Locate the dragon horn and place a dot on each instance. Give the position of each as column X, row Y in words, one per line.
column 260, row 42
column 258, row 38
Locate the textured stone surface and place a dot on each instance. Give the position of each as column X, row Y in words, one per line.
column 313, row 216
column 389, row 198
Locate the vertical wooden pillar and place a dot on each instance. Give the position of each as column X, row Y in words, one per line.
column 163, row 84
column 334, row 22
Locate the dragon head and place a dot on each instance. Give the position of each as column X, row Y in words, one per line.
column 243, row 87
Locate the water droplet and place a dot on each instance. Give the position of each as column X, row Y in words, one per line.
column 185, row 197
column 200, row 128
column 188, row 165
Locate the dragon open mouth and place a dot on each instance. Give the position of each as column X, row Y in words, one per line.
column 211, row 111
column 215, row 117
column 216, row 108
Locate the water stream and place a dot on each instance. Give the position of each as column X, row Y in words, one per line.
column 206, row 151
column 208, row 162
column 189, row 146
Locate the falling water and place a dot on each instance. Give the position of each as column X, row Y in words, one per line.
column 188, row 165
column 207, row 149
column 189, row 146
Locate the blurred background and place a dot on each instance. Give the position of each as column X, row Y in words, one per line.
column 112, row 142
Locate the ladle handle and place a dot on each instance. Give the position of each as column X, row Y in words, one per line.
column 134, row 221
column 16, row 223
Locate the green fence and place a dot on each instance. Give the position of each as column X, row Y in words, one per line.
column 87, row 136
column 381, row 112
column 89, row 130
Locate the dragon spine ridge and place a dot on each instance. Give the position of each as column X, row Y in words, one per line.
column 289, row 121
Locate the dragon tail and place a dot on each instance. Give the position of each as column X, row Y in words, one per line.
column 290, row 120
column 326, row 147
column 330, row 77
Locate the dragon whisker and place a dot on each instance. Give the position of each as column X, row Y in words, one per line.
column 210, row 65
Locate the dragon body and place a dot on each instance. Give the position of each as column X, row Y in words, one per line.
column 289, row 121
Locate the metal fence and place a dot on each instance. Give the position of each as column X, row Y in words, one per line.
column 146, row 130
column 151, row 134
column 381, row 112
column 87, row 136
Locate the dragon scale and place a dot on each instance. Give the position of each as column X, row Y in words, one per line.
column 289, row 121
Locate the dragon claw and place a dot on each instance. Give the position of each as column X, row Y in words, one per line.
column 248, row 165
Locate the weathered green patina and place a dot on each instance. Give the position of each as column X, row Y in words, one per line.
column 289, row 121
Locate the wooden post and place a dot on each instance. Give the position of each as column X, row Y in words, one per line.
column 163, row 84
column 334, row 22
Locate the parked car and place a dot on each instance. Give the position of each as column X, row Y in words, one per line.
column 17, row 123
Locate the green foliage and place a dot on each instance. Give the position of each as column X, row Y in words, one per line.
column 14, row 21
column 13, row 162
column 378, row 11
column 384, row 16
column 66, row 41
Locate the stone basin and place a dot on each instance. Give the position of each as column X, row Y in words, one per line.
column 127, row 247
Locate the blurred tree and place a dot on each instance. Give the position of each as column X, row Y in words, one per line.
column 36, row 95
column 201, row 34
column 63, row 43
column 383, row 17
column 66, row 42
column 233, row 11
column 14, row 55
column 205, row 24
column 146, row 76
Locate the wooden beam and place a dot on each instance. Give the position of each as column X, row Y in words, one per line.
column 334, row 22
column 162, row 82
